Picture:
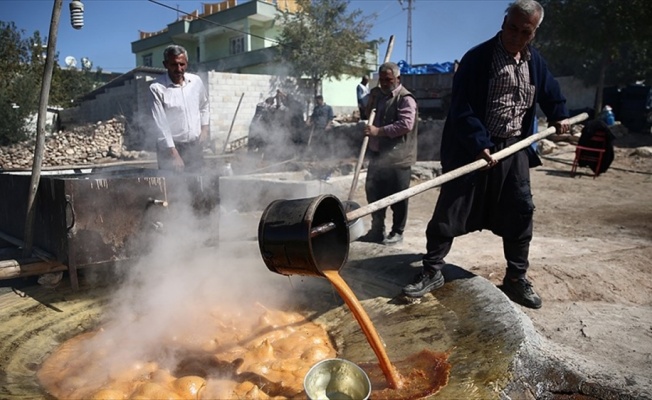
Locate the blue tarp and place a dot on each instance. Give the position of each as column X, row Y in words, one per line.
column 422, row 69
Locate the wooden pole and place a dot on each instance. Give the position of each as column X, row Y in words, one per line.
column 390, row 47
column 40, row 130
column 228, row 136
column 363, row 150
column 10, row 269
column 456, row 173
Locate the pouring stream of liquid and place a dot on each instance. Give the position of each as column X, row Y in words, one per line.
column 394, row 379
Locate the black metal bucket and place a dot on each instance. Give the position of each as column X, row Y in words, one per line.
column 287, row 240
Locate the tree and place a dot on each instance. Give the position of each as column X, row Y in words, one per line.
column 606, row 42
column 22, row 63
column 322, row 40
column 18, row 91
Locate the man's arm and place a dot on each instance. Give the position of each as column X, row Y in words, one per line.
column 157, row 109
column 205, row 115
column 163, row 133
column 469, row 131
column 331, row 116
column 550, row 99
column 407, row 113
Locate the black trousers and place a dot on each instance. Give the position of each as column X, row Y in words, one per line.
column 191, row 153
column 382, row 182
column 498, row 199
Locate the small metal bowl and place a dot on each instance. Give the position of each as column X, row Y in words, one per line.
column 337, row 379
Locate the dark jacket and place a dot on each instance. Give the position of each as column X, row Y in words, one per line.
column 465, row 135
column 400, row 151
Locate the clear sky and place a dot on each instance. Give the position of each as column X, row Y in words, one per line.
column 442, row 30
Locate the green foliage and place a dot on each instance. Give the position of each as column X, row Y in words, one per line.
column 23, row 62
column 15, row 98
column 323, row 40
column 607, row 41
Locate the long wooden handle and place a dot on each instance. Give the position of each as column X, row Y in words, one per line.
column 456, row 173
column 390, row 47
column 363, row 150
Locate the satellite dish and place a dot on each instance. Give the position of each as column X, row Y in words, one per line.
column 71, row 61
column 87, row 64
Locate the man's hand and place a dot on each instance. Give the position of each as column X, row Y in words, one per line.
column 204, row 136
column 486, row 155
column 177, row 161
column 561, row 126
column 371, row 130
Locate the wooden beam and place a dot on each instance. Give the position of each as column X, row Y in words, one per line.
column 10, row 269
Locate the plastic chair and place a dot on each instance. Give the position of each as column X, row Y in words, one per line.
column 591, row 154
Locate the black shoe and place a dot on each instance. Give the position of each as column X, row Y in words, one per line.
column 373, row 236
column 424, row 283
column 521, row 292
column 393, row 238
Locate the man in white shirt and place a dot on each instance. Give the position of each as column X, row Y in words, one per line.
column 362, row 92
column 180, row 109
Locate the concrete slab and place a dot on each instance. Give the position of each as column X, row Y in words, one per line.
column 246, row 193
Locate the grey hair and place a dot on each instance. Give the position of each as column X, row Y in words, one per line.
column 526, row 7
column 391, row 67
column 174, row 50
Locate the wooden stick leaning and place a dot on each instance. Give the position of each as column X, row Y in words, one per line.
column 235, row 114
column 363, row 150
column 456, row 173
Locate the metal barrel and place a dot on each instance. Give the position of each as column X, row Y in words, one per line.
column 287, row 245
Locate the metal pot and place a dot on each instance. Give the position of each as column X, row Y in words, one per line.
column 287, row 240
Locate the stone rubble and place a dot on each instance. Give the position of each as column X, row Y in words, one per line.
column 89, row 144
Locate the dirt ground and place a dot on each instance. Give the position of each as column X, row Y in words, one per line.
column 590, row 259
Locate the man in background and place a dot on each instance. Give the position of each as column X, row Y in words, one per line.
column 362, row 93
column 392, row 150
column 180, row 109
column 320, row 122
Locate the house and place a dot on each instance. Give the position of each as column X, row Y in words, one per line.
column 225, row 37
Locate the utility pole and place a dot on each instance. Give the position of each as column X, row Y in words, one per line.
column 39, row 147
column 408, row 42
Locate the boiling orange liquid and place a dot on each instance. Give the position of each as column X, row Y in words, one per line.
column 253, row 354
column 258, row 354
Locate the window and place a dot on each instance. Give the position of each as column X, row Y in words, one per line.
column 147, row 60
column 237, row 45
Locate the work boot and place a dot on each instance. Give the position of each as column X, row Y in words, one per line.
column 373, row 236
column 393, row 238
column 520, row 291
column 424, row 283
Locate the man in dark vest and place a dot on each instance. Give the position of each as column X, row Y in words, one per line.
column 392, row 150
